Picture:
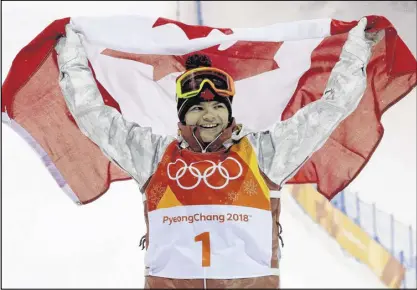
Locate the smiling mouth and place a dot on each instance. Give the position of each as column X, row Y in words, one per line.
column 209, row 126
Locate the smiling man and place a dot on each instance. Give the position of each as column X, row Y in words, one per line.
column 213, row 168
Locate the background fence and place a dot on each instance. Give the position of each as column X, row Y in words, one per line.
column 372, row 236
column 398, row 238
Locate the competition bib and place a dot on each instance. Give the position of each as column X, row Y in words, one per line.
column 209, row 216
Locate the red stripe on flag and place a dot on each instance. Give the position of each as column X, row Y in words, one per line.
column 391, row 76
column 32, row 98
column 28, row 61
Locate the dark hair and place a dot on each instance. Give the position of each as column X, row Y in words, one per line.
column 197, row 60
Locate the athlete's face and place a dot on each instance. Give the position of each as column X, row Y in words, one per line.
column 211, row 117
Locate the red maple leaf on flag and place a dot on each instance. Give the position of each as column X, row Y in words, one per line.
column 191, row 31
column 242, row 60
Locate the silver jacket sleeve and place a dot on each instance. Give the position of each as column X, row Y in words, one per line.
column 133, row 148
column 289, row 144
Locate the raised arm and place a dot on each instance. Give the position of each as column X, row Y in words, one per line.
column 289, row 144
column 135, row 149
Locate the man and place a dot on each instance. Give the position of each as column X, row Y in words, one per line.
column 208, row 199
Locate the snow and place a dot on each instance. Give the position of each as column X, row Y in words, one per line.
column 47, row 241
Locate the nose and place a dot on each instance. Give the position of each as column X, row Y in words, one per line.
column 208, row 115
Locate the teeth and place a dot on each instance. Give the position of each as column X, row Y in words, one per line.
column 209, row 125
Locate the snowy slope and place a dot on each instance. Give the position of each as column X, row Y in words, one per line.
column 47, row 241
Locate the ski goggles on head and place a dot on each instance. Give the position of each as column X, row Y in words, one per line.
column 192, row 82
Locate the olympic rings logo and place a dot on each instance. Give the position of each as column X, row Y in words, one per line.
column 203, row 176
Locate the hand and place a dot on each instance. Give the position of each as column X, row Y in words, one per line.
column 360, row 41
column 68, row 47
column 360, row 32
column 60, row 44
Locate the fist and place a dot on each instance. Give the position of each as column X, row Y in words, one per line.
column 360, row 32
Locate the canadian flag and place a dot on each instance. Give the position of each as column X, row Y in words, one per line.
column 277, row 69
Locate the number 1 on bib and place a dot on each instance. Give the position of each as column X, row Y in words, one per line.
column 204, row 238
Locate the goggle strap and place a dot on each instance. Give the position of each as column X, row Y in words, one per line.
column 182, row 105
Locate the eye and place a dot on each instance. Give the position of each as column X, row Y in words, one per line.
column 196, row 108
column 220, row 106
